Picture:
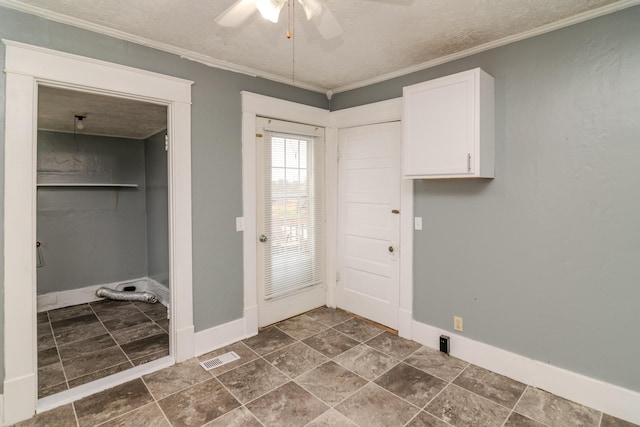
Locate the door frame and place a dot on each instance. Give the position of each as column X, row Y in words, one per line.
column 354, row 300
column 26, row 67
column 307, row 298
column 254, row 105
column 385, row 111
column 370, row 114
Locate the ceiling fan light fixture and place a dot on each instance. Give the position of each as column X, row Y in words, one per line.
column 311, row 8
column 270, row 9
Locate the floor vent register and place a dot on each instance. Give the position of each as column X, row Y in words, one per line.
column 219, row 360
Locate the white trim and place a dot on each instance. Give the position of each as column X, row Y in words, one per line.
column 254, row 105
column 180, row 230
column 107, row 135
column 405, row 320
column 225, row 65
column 274, row 108
column 214, row 338
column 405, row 317
column 87, row 294
column 381, row 112
column 27, row 60
column 165, row 47
column 385, row 111
column 602, row 396
column 575, row 19
column 60, row 299
column 249, row 206
column 251, row 321
column 20, row 355
column 298, row 300
column 222, row 335
column 26, row 67
column 331, row 212
column 59, row 399
column 369, row 114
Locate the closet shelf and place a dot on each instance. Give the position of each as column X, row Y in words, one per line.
column 87, row 184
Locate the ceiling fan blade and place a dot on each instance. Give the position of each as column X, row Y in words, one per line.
column 270, row 9
column 327, row 24
column 237, row 13
column 311, row 8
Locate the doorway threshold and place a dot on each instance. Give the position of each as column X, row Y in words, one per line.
column 77, row 393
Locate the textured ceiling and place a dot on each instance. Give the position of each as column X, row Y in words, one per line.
column 105, row 115
column 381, row 37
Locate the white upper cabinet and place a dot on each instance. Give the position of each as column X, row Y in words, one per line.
column 449, row 127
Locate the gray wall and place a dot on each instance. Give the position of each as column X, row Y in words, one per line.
column 538, row 261
column 543, row 259
column 215, row 142
column 90, row 235
column 156, row 179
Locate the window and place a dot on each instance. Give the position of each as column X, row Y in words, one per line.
column 293, row 213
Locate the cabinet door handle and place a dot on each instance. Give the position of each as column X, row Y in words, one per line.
column 468, row 162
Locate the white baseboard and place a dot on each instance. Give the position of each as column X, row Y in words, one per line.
column 214, row 338
column 332, row 295
column 184, row 350
column 405, row 323
column 84, row 390
column 53, row 300
column 251, row 321
column 61, row 299
column 608, row 398
column 15, row 408
column 161, row 278
column 1, row 409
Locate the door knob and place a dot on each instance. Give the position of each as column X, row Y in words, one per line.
column 391, row 249
column 263, row 238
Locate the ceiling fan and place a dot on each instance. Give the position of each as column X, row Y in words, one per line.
column 314, row 10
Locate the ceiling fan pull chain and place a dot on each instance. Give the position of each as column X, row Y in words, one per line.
column 289, row 20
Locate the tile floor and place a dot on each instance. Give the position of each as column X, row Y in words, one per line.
column 86, row 342
column 325, row 368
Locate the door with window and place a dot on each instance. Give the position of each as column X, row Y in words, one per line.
column 291, row 219
column 369, row 221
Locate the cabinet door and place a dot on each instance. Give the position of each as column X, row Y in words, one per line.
column 441, row 127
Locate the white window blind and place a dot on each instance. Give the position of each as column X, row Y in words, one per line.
column 294, row 213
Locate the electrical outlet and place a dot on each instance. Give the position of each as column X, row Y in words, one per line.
column 457, row 323
column 444, row 344
column 240, row 223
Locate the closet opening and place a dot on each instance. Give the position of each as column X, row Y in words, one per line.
column 102, row 222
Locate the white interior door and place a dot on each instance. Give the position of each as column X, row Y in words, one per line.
column 369, row 221
column 290, row 219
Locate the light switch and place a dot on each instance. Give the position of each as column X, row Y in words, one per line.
column 417, row 223
column 240, row 223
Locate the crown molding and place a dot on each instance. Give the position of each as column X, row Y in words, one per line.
column 182, row 53
column 229, row 66
column 576, row 19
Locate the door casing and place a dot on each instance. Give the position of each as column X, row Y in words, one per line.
column 254, row 105
column 378, row 259
column 26, row 67
column 301, row 300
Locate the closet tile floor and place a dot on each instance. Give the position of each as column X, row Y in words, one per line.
column 325, row 368
column 86, row 342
